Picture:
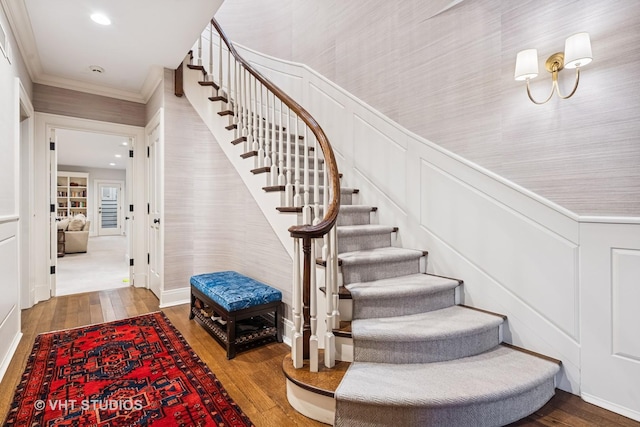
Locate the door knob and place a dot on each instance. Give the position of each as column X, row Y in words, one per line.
column 156, row 221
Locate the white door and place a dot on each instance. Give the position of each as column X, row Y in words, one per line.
column 109, row 202
column 128, row 219
column 154, row 204
column 53, row 200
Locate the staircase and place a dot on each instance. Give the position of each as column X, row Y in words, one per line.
column 417, row 356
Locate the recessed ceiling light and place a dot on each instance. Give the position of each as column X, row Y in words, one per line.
column 118, row 155
column 101, row 19
column 112, row 164
column 125, row 143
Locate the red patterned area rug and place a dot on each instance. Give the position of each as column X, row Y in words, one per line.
column 131, row 372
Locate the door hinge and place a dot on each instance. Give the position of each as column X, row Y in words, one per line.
column 131, row 262
column 130, row 153
column 52, row 269
column 148, row 151
column 52, row 208
column 148, row 258
column 130, row 208
column 52, row 145
column 148, row 208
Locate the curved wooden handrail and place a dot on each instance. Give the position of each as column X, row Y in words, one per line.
column 330, row 217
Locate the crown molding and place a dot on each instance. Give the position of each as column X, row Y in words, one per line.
column 18, row 18
column 79, row 86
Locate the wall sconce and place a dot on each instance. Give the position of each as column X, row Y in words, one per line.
column 577, row 53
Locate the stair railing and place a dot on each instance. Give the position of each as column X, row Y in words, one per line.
column 293, row 150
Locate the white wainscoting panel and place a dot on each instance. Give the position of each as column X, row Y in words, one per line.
column 524, row 257
column 10, row 302
column 625, row 271
column 610, row 288
column 382, row 158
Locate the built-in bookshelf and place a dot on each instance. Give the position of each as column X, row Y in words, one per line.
column 72, row 193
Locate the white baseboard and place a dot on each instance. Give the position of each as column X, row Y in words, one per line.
column 287, row 325
column 629, row 413
column 175, row 297
column 7, row 359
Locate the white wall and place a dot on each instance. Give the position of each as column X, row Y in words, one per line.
column 555, row 274
column 444, row 70
column 10, row 197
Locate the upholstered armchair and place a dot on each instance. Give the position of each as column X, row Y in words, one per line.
column 76, row 234
column 76, row 241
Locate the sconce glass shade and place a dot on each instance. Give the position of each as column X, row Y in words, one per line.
column 577, row 51
column 526, row 64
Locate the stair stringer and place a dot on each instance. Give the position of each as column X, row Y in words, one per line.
column 198, row 96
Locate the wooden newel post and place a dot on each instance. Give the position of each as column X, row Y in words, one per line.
column 306, row 296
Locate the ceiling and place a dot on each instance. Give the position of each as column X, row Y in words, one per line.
column 59, row 43
column 91, row 150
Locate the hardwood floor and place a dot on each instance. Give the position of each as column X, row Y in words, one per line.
column 254, row 379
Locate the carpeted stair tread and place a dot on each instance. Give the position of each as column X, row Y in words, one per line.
column 361, row 230
column 493, row 388
column 379, row 255
column 411, row 285
column 455, row 321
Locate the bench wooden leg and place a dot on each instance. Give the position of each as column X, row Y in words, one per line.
column 193, row 304
column 231, row 337
column 277, row 325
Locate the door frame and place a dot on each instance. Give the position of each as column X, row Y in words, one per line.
column 121, row 204
column 40, row 171
column 156, row 122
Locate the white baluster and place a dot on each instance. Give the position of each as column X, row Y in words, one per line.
column 246, row 131
column 210, row 73
column 229, row 87
column 296, row 332
column 236, row 99
column 297, row 199
column 316, row 182
column 256, row 118
column 267, row 139
column 313, row 312
column 329, row 338
column 288, row 189
column 249, row 118
column 306, row 209
column 200, row 50
column 281, row 150
column 325, row 209
column 261, row 125
column 220, row 74
column 274, row 146
column 333, row 258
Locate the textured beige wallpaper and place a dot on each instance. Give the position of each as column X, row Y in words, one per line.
column 66, row 102
column 212, row 222
column 444, row 70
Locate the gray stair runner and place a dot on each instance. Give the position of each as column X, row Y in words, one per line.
column 420, row 360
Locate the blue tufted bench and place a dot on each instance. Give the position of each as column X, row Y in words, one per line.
column 235, row 309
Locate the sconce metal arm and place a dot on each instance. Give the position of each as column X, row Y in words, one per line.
column 554, row 64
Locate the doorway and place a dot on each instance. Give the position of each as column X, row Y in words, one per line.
column 110, row 207
column 44, row 259
column 91, row 179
